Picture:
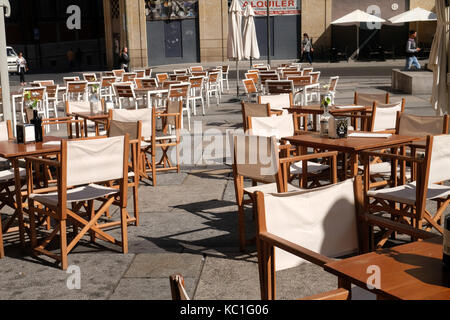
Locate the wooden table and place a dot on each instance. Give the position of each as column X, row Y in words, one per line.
column 351, row 146
column 96, row 117
column 13, row 152
column 316, row 110
column 409, row 272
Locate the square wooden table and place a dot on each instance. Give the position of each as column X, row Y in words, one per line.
column 350, row 145
column 96, row 117
column 316, row 110
column 409, row 272
column 13, row 151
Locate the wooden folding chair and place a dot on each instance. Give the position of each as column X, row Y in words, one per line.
column 181, row 92
column 80, row 184
column 287, row 125
column 316, row 226
column 163, row 140
column 134, row 130
column 407, row 203
column 254, row 110
column 177, row 287
column 367, row 99
column 278, row 102
column 106, row 87
column 257, row 158
column 406, row 125
column 7, row 182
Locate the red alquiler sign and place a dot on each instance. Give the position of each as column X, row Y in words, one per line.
column 276, row 7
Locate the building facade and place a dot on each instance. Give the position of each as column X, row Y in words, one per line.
column 160, row 32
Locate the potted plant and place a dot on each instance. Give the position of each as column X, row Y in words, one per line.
column 31, row 105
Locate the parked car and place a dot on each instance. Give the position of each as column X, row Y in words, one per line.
column 12, row 59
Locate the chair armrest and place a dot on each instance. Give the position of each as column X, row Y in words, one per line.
column 43, row 161
column 309, row 157
column 390, row 156
column 295, row 249
column 400, row 227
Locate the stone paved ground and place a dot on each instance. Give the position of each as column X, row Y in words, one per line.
column 188, row 225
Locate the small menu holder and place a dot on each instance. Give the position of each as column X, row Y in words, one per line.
column 25, row 133
column 338, row 127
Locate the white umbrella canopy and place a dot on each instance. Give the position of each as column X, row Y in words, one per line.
column 413, row 15
column 439, row 60
column 235, row 47
column 251, row 48
column 355, row 18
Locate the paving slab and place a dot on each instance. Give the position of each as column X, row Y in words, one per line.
column 162, row 265
column 149, row 289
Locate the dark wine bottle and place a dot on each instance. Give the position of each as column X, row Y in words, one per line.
column 37, row 121
column 446, row 246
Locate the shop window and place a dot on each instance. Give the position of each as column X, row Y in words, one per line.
column 171, row 9
column 173, row 39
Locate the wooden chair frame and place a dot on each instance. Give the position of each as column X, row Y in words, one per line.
column 266, row 242
column 415, row 215
column 281, row 180
column 150, row 164
column 88, row 222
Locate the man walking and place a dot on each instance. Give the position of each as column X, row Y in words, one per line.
column 411, row 50
column 307, row 48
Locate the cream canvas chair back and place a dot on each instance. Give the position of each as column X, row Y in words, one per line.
column 322, row 220
column 96, row 160
column 278, row 126
column 80, row 106
column 385, row 116
column 3, row 131
column 277, row 101
column 367, row 99
column 256, row 157
column 440, row 159
column 143, row 115
column 412, row 125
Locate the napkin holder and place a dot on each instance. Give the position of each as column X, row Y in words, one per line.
column 338, row 127
column 25, row 133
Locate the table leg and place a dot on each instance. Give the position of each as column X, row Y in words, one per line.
column 85, row 128
column 19, row 211
column 354, row 162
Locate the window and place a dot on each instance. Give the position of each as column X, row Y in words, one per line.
column 171, row 9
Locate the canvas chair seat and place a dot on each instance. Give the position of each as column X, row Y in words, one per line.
column 269, row 188
column 6, row 175
column 166, row 137
column 407, row 193
column 384, row 169
column 312, row 167
column 84, row 193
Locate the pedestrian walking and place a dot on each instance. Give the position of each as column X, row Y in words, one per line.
column 307, row 48
column 71, row 58
column 411, row 50
column 124, row 60
column 22, row 67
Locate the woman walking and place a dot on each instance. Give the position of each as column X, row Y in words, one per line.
column 21, row 68
column 307, row 48
column 124, row 60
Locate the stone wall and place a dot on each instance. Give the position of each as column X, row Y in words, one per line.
column 213, row 24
